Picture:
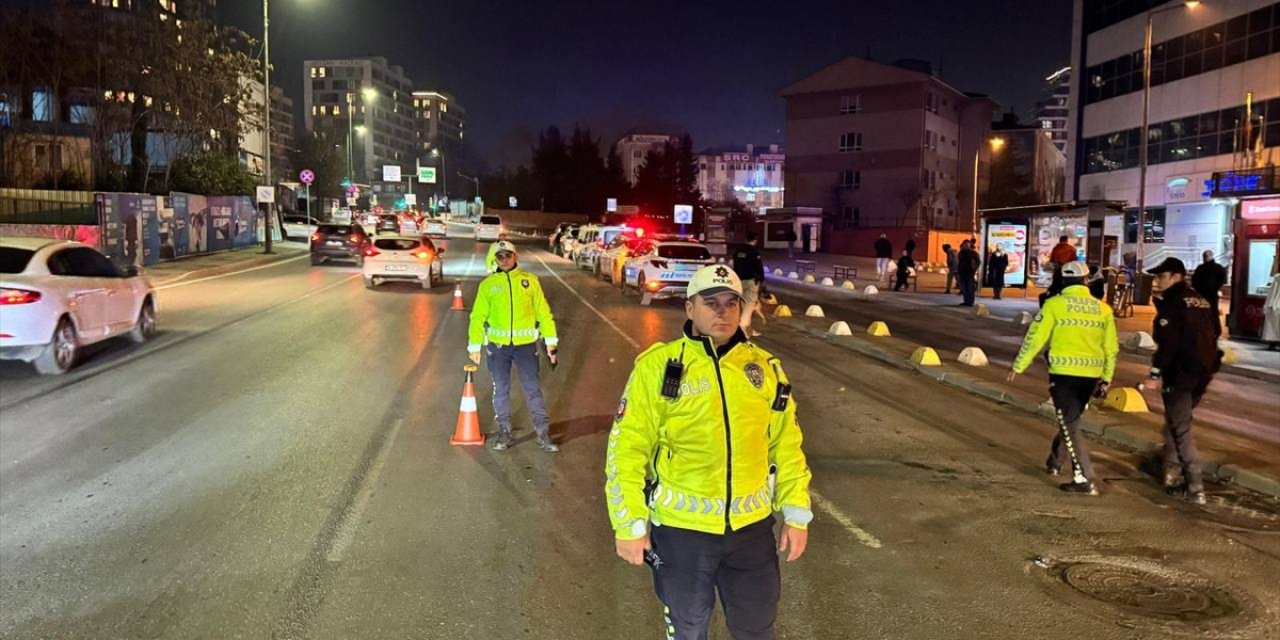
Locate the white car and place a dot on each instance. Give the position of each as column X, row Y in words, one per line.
column 56, row 297
column 569, row 241
column 435, row 228
column 610, row 260
column 595, row 242
column 403, row 258
column 489, row 228
column 299, row 227
column 663, row 269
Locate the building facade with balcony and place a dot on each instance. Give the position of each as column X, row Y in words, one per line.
column 750, row 175
column 368, row 99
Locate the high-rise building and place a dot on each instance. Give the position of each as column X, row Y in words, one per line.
column 750, row 175
column 439, row 119
column 282, row 135
column 633, row 147
column 1214, row 108
column 371, row 102
column 1052, row 112
column 884, row 146
column 1026, row 155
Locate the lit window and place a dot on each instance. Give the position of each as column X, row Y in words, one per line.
column 42, row 105
column 81, row 114
column 324, row 109
column 314, row 73
column 315, row 110
column 337, row 110
column 1046, row 124
column 322, row 72
column 444, row 107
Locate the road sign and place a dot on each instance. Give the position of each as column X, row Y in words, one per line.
column 427, row 175
column 611, row 205
column 266, row 195
column 684, row 214
column 511, row 201
column 307, row 177
column 391, row 172
column 411, row 199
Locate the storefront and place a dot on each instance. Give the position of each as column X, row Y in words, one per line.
column 1257, row 243
column 805, row 222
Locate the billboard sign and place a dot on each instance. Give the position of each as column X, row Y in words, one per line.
column 1012, row 238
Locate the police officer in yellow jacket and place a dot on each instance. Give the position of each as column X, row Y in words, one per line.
column 704, row 449
column 509, row 315
column 1081, row 333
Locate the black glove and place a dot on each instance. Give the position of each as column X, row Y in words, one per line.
column 551, row 356
column 1100, row 391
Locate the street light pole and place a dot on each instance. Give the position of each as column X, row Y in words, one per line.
column 266, row 110
column 351, row 105
column 1143, row 135
column 474, row 180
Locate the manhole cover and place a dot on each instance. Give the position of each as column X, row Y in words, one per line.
column 1146, row 593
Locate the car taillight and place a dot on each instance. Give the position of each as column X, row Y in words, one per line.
column 18, row 296
column 355, row 239
column 660, row 264
column 652, row 285
column 316, row 237
column 370, row 252
column 423, row 254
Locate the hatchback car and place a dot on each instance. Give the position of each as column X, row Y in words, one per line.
column 403, row 258
column 338, row 242
column 298, row 227
column 489, row 228
column 387, row 223
column 435, row 228
column 56, row 297
column 664, row 269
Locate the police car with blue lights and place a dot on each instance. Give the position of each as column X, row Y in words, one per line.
column 663, row 269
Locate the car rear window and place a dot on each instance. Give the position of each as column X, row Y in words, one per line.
column 396, row 244
column 490, row 220
column 683, row 252
column 14, row 260
column 611, row 234
column 334, row 229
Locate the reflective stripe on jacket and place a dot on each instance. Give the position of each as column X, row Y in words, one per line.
column 510, row 309
column 1081, row 333
column 707, row 455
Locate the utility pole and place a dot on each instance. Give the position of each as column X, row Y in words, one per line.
column 266, row 111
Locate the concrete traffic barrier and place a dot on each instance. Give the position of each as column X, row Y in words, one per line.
column 828, row 282
column 981, row 310
column 777, row 272
column 871, row 290
column 878, row 329
column 974, row 357
column 783, row 311
column 1024, row 318
column 808, row 277
column 814, row 311
column 1229, row 355
column 1125, row 399
column 1140, row 340
column 848, row 284
column 840, row 329
column 925, row 356
column 793, row 276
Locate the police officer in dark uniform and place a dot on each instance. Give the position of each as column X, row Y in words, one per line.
column 1185, row 361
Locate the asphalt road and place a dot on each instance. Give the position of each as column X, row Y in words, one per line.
column 276, row 465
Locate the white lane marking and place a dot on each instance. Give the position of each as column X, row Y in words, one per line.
column 298, row 299
column 233, row 273
column 858, row 532
column 351, row 519
column 629, row 339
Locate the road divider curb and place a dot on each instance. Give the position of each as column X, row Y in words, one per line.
column 1125, row 400
column 848, row 284
column 1023, row 318
column 777, row 272
column 981, row 310
column 871, row 290
column 926, row 356
column 793, row 276
column 809, row 279
column 840, row 328
column 878, row 329
column 1140, row 340
column 814, row 311
column 1107, row 428
column 828, row 282
column 973, row 356
column 783, row 311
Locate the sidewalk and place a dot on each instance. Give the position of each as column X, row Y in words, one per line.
column 1247, row 357
column 210, row 264
column 1237, row 425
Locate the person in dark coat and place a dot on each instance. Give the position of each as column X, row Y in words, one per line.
column 951, row 265
column 905, row 265
column 1208, row 280
column 997, row 264
column 1185, row 361
column 967, row 264
column 911, row 247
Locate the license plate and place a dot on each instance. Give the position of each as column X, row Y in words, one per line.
column 334, row 242
column 674, row 275
column 396, row 267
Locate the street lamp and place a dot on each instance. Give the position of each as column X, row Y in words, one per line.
column 996, row 143
column 474, row 180
column 443, row 175
column 1143, row 136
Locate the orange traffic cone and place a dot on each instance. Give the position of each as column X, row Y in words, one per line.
column 468, row 429
column 457, row 297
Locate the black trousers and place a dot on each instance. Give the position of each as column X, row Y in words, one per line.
column 1179, row 447
column 1070, row 397
column 689, row 567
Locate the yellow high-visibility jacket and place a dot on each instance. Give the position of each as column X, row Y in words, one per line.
column 724, row 455
column 1081, row 333
column 510, row 309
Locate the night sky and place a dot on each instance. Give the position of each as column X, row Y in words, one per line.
column 712, row 68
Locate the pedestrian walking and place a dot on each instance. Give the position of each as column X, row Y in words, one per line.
column 1184, row 363
column 509, row 316
column 705, row 444
column 1080, row 331
column 1271, row 315
column 750, row 270
column 1208, row 280
column 951, row 266
column 884, row 253
column 967, row 264
column 997, row 264
column 906, row 267
column 791, row 242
